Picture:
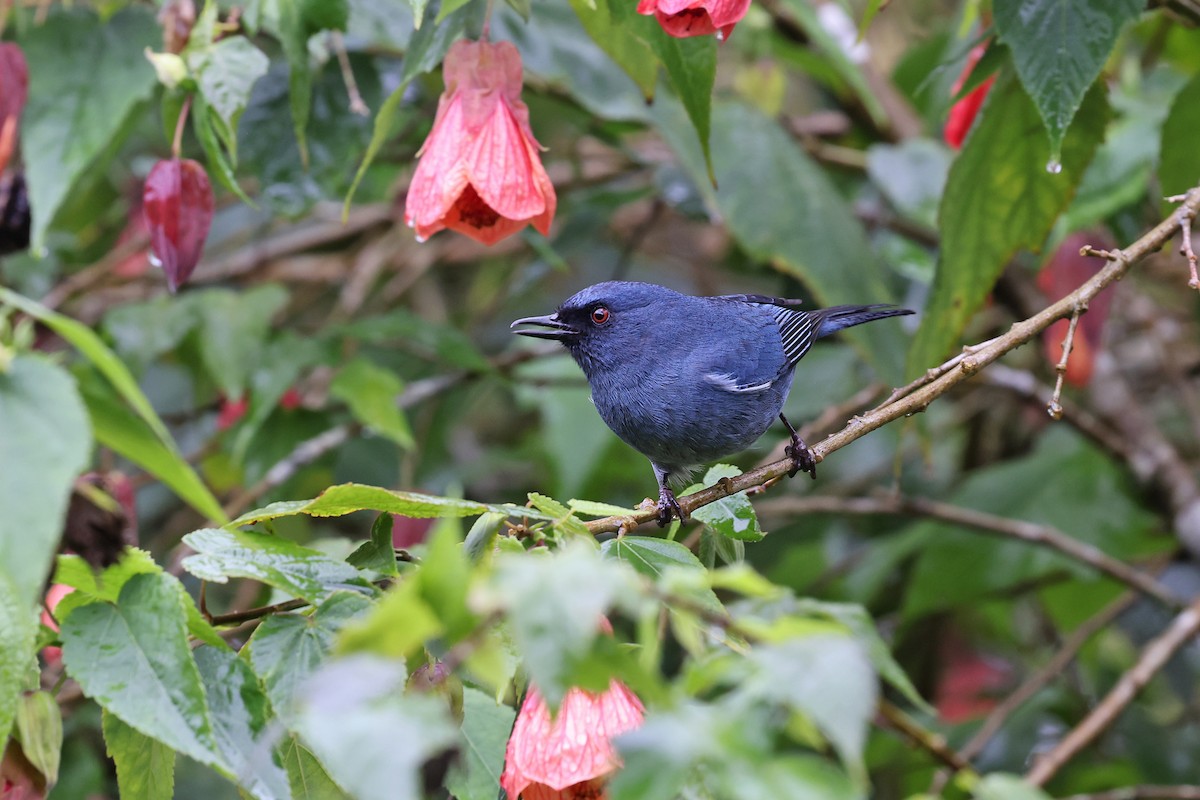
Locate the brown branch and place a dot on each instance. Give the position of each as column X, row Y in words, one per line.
column 933, row 743
column 925, row 392
column 235, row 617
column 1054, row 407
column 1153, row 658
column 1004, row 527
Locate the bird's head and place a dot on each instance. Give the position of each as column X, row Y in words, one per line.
column 601, row 322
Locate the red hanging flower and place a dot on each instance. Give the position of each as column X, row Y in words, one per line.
column 1063, row 273
column 480, row 173
column 963, row 112
column 178, row 204
column 683, row 18
column 14, row 90
column 570, row 756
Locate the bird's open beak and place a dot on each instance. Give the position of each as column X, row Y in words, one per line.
column 559, row 330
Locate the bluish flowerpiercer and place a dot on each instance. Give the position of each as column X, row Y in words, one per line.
column 688, row 380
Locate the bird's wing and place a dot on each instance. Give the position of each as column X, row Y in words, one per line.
column 728, row 382
column 798, row 330
column 761, row 299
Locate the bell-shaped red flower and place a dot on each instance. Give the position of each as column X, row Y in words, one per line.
column 14, row 90
column 963, row 112
column 178, row 204
column 480, row 173
column 683, row 18
column 568, row 757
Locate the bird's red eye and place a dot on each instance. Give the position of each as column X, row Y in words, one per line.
column 600, row 315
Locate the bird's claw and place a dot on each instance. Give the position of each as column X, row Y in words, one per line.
column 668, row 507
column 802, row 458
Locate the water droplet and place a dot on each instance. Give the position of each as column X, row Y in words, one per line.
column 422, row 239
column 1054, row 166
column 412, row 223
column 720, row 36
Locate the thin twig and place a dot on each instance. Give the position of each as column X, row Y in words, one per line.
column 971, row 362
column 1054, row 407
column 1030, row 532
column 235, row 617
column 357, row 104
column 1153, row 658
column 1185, row 246
column 933, row 743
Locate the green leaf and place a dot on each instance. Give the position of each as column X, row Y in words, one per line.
column 397, row 626
column 121, row 430
column 824, row 246
column 347, row 498
column 418, row 9
column 591, row 508
column 651, row 557
column 732, row 516
column 1179, row 168
column 827, row 678
column 1059, row 47
column 44, row 443
column 561, row 516
column 106, row 586
column 378, row 553
column 226, row 73
column 554, row 607
column 240, row 715
column 295, row 570
column 233, row 331
column 999, row 786
column 287, row 648
column 444, row 578
column 999, row 199
column 91, row 347
column 133, row 659
column 604, row 24
column 426, row 48
column 284, row 20
column 370, row 734
column 39, row 729
column 145, row 767
column 692, row 68
column 484, row 732
column 371, row 392
column 80, row 106
column 308, row 779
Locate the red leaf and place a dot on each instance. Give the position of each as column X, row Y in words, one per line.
column 178, row 204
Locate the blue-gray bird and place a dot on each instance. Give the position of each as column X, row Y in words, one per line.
column 688, row 380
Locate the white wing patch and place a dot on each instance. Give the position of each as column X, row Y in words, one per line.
column 728, row 383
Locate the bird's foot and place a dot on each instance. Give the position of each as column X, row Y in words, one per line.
column 803, row 459
column 668, row 507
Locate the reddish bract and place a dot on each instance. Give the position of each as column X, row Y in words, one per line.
column 178, row 205
column 1065, row 271
column 963, row 112
column 480, row 173
column 568, row 757
column 683, row 18
column 14, row 89
column 231, row 412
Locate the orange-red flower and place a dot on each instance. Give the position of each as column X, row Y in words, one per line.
column 14, row 89
column 682, row 18
column 480, row 173
column 963, row 112
column 568, row 757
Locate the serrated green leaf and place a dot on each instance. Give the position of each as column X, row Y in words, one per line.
column 145, row 767
column 691, row 66
column 484, row 733
column 634, row 56
column 1059, row 47
column 287, row 648
column 561, row 516
column 999, row 199
column 225, row 73
column 298, row 571
column 347, row 498
column 372, row 735
column 377, row 553
column 593, row 509
column 308, row 779
column 133, row 658
column 732, row 516
column 371, row 392
column 80, row 106
column 240, row 714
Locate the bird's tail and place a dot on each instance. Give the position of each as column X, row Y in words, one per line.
column 835, row 318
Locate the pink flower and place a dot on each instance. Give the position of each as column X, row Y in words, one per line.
column 568, row 757
column 480, row 173
column 683, row 18
column 54, row 596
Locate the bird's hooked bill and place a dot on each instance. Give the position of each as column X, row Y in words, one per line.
column 559, row 330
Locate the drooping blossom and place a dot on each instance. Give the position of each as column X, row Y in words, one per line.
column 479, row 171
column 683, row 18
column 54, row 596
column 14, row 90
column 570, row 756
column 178, row 204
column 963, row 112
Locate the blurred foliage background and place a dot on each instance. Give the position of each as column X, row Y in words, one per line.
column 314, row 348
